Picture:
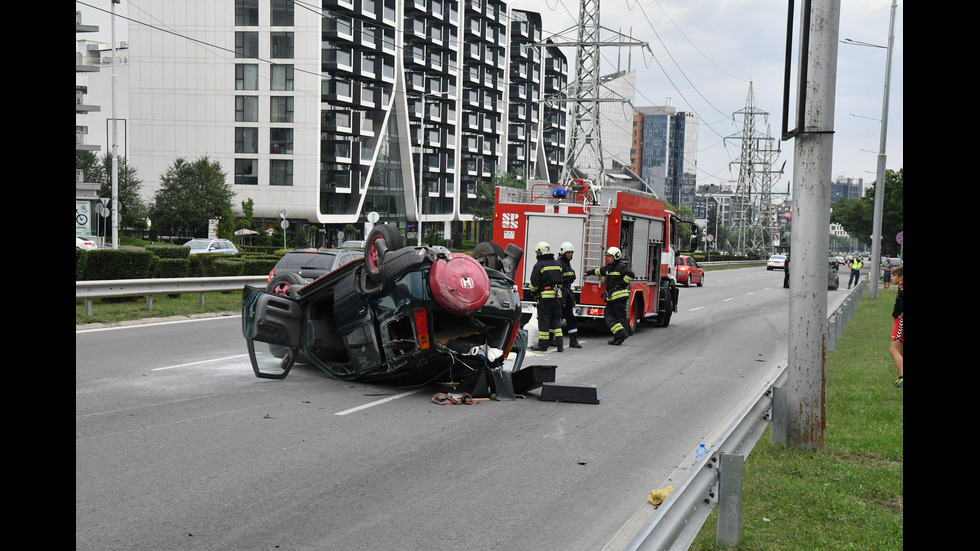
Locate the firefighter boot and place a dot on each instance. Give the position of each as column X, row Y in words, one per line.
column 542, row 345
column 573, row 341
column 618, row 338
column 557, row 341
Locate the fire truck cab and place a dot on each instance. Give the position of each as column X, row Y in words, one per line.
column 593, row 220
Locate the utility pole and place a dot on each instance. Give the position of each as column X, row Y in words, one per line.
column 586, row 135
column 813, row 155
column 752, row 210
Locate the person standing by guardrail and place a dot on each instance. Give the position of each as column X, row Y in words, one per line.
column 856, row 265
column 897, row 348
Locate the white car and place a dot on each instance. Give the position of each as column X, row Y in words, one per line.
column 776, row 262
column 82, row 242
column 219, row 246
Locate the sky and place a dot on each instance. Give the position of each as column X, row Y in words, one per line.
column 704, row 54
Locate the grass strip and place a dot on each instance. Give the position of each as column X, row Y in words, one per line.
column 848, row 495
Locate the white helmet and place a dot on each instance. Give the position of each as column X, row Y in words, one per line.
column 566, row 247
column 614, row 252
column 542, row 248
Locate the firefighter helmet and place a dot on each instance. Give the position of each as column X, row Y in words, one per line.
column 614, row 252
column 542, row 248
column 566, row 247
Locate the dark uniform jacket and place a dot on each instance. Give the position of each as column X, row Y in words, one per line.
column 618, row 277
column 546, row 277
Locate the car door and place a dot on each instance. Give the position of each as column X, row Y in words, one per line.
column 271, row 325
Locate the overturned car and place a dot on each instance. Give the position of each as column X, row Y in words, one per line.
column 402, row 315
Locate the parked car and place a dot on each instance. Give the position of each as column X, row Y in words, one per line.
column 403, row 315
column 353, row 243
column 83, row 242
column 776, row 262
column 298, row 267
column 833, row 280
column 217, row 246
column 688, row 271
column 833, row 262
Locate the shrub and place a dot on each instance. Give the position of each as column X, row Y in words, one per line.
column 81, row 260
column 120, row 264
column 172, row 267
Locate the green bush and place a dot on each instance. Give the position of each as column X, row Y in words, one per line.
column 169, row 251
column 172, row 267
column 81, row 260
column 120, row 264
column 225, row 267
column 259, row 264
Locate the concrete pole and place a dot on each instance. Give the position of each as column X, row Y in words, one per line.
column 880, row 175
column 115, row 147
column 811, row 229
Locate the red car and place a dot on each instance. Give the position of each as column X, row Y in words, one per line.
column 689, row 272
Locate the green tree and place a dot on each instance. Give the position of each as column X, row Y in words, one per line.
column 99, row 170
column 482, row 207
column 191, row 193
column 857, row 216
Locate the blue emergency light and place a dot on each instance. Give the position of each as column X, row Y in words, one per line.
column 559, row 193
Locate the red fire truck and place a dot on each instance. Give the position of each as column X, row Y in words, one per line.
column 593, row 220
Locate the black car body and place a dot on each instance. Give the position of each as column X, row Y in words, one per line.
column 300, row 266
column 402, row 316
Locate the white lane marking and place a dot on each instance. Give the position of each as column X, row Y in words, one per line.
column 693, row 309
column 378, row 402
column 200, row 362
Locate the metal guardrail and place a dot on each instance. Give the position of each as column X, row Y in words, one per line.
column 89, row 290
column 716, row 478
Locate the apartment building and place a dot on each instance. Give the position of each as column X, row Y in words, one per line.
column 326, row 112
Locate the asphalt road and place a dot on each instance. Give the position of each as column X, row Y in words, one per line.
column 179, row 446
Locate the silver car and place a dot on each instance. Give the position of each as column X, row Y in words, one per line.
column 217, row 246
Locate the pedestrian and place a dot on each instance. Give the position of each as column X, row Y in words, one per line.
column 886, row 272
column 565, row 253
column 856, row 265
column 897, row 347
column 546, row 286
column 618, row 277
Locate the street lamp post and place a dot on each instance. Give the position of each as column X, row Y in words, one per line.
column 880, row 174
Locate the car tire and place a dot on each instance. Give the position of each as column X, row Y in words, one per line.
column 382, row 239
column 286, row 285
column 701, row 281
column 687, row 282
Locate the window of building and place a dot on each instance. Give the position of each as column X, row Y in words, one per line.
column 246, row 108
column 247, row 13
column 282, row 13
column 246, row 140
column 280, row 172
column 282, row 45
column 282, row 77
column 247, row 172
column 281, row 109
column 281, row 140
column 246, row 76
column 246, row 44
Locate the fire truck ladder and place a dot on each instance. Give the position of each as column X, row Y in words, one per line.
column 595, row 235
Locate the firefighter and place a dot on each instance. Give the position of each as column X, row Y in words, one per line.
column 546, row 286
column 618, row 277
column 565, row 253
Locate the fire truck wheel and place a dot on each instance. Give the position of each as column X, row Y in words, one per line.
column 382, row 239
column 663, row 318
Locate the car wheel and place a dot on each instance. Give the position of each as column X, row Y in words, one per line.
column 701, row 281
column 382, row 239
column 286, row 285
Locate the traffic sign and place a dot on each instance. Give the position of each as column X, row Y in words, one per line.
column 899, row 237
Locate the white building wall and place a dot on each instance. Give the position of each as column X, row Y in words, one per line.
column 182, row 86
